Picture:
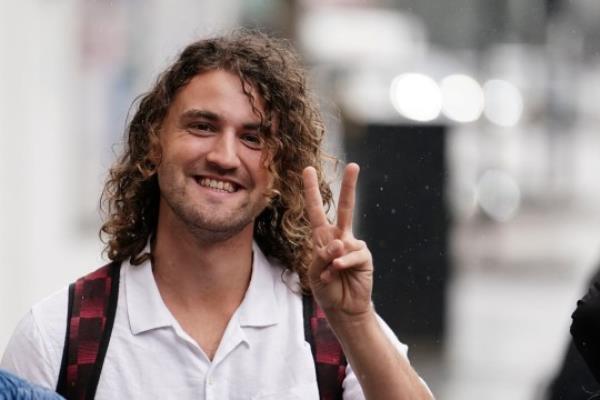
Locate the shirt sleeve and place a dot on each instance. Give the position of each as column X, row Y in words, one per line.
column 27, row 354
column 34, row 351
column 351, row 386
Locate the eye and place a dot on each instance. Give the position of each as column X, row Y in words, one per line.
column 201, row 128
column 253, row 140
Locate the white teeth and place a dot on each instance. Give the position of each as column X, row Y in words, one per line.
column 215, row 184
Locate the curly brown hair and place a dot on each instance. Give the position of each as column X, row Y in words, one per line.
column 270, row 66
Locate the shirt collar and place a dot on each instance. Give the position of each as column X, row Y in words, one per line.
column 147, row 311
column 260, row 306
column 145, row 307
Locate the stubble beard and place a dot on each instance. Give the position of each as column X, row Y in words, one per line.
column 208, row 225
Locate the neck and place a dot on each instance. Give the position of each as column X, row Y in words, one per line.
column 195, row 272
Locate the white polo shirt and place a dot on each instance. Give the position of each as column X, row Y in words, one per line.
column 262, row 355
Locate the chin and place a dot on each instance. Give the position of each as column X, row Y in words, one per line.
column 217, row 226
column 215, row 232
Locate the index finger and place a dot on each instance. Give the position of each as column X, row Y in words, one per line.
column 312, row 198
column 347, row 197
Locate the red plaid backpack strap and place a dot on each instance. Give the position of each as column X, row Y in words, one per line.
column 92, row 305
column 330, row 362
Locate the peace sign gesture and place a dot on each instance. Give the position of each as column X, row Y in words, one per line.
column 341, row 272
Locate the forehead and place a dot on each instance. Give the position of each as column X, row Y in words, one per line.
column 222, row 93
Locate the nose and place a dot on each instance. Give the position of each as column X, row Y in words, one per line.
column 223, row 153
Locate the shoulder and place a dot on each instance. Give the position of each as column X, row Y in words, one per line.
column 281, row 279
column 585, row 317
column 50, row 317
column 34, row 351
column 585, row 326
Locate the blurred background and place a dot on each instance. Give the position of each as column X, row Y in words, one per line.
column 474, row 123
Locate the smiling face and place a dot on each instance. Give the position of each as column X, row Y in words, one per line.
column 212, row 175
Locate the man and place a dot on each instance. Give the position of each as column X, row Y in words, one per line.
column 216, row 244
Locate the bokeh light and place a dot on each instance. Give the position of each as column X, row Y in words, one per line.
column 498, row 195
column 463, row 99
column 503, row 102
column 416, row 97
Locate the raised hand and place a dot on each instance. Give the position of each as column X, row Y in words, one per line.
column 341, row 279
column 341, row 272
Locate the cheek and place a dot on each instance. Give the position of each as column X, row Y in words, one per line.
column 181, row 156
column 170, row 173
column 264, row 163
column 164, row 174
column 262, row 178
column 263, row 174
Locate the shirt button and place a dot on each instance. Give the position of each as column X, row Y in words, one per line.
column 210, row 380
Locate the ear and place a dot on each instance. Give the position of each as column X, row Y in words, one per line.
column 149, row 164
column 154, row 155
column 274, row 197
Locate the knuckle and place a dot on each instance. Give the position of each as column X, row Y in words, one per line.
column 355, row 244
column 348, row 240
column 339, row 243
column 338, row 263
column 321, row 254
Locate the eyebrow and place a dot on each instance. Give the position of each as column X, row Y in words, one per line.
column 193, row 114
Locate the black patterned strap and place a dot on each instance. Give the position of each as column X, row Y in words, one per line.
column 330, row 362
column 92, row 306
